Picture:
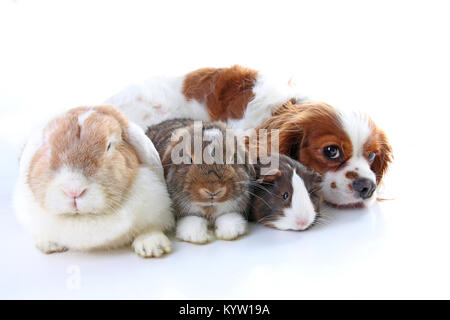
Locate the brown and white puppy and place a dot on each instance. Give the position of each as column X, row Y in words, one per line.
column 347, row 148
column 91, row 179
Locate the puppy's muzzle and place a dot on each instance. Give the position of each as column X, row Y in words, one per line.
column 364, row 187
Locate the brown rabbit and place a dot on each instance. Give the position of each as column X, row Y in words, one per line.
column 205, row 191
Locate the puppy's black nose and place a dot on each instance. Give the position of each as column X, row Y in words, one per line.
column 365, row 187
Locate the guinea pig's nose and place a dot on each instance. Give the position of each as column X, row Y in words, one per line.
column 365, row 187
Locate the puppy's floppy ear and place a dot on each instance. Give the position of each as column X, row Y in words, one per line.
column 287, row 120
column 384, row 157
column 144, row 148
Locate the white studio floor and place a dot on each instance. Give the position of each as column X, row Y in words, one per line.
column 389, row 59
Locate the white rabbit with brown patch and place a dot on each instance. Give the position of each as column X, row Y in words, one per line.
column 92, row 180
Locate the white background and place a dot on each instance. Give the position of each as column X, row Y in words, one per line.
column 389, row 58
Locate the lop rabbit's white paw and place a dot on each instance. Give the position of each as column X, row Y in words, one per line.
column 152, row 244
column 49, row 247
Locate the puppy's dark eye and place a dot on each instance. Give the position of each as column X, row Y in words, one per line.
column 371, row 156
column 286, row 195
column 332, row 152
column 109, row 146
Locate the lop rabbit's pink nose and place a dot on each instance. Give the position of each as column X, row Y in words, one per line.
column 74, row 194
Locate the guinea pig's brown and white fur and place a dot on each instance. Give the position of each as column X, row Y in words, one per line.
column 215, row 194
column 347, row 148
column 92, row 180
column 287, row 198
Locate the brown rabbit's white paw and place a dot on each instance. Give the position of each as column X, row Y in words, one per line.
column 152, row 244
column 193, row 229
column 48, row 247
column 230, row 226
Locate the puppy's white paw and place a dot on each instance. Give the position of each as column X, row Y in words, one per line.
column 193, row 229
column 152, row 244
column 230, row 226
column 48, row 247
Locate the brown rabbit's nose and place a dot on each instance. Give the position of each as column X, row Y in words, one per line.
column 216, row 194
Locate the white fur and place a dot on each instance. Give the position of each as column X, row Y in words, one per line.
column 230, row 226
column 192, row 229
column 269, row 94
column 33, row 144
column 357, row 127
column 145, row 149
column 58, row 202
column 84, row 116
column 156, row 100
column 153, row 243
column 301, row 214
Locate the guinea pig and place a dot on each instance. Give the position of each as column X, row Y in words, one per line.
column 205, row 193
column 286, row 198
column 92, row 180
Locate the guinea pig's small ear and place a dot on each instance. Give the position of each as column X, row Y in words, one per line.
column 270, row 176
column 145, row 150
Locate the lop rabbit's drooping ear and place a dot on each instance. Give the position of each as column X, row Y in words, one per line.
column 91, row 179
column 145, row 149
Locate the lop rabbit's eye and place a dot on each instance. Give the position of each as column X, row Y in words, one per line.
column 332, row 152
column 371, row 156
column 285, row 195
column 109, row 146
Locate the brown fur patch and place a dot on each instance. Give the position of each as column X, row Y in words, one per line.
column 350, row 186
column 226, row 91
column 333, row 185
column 352, row 175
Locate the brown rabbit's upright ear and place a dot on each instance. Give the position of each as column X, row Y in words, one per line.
column 384, row 157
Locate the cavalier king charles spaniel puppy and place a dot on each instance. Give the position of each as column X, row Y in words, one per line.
column 346, row 148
